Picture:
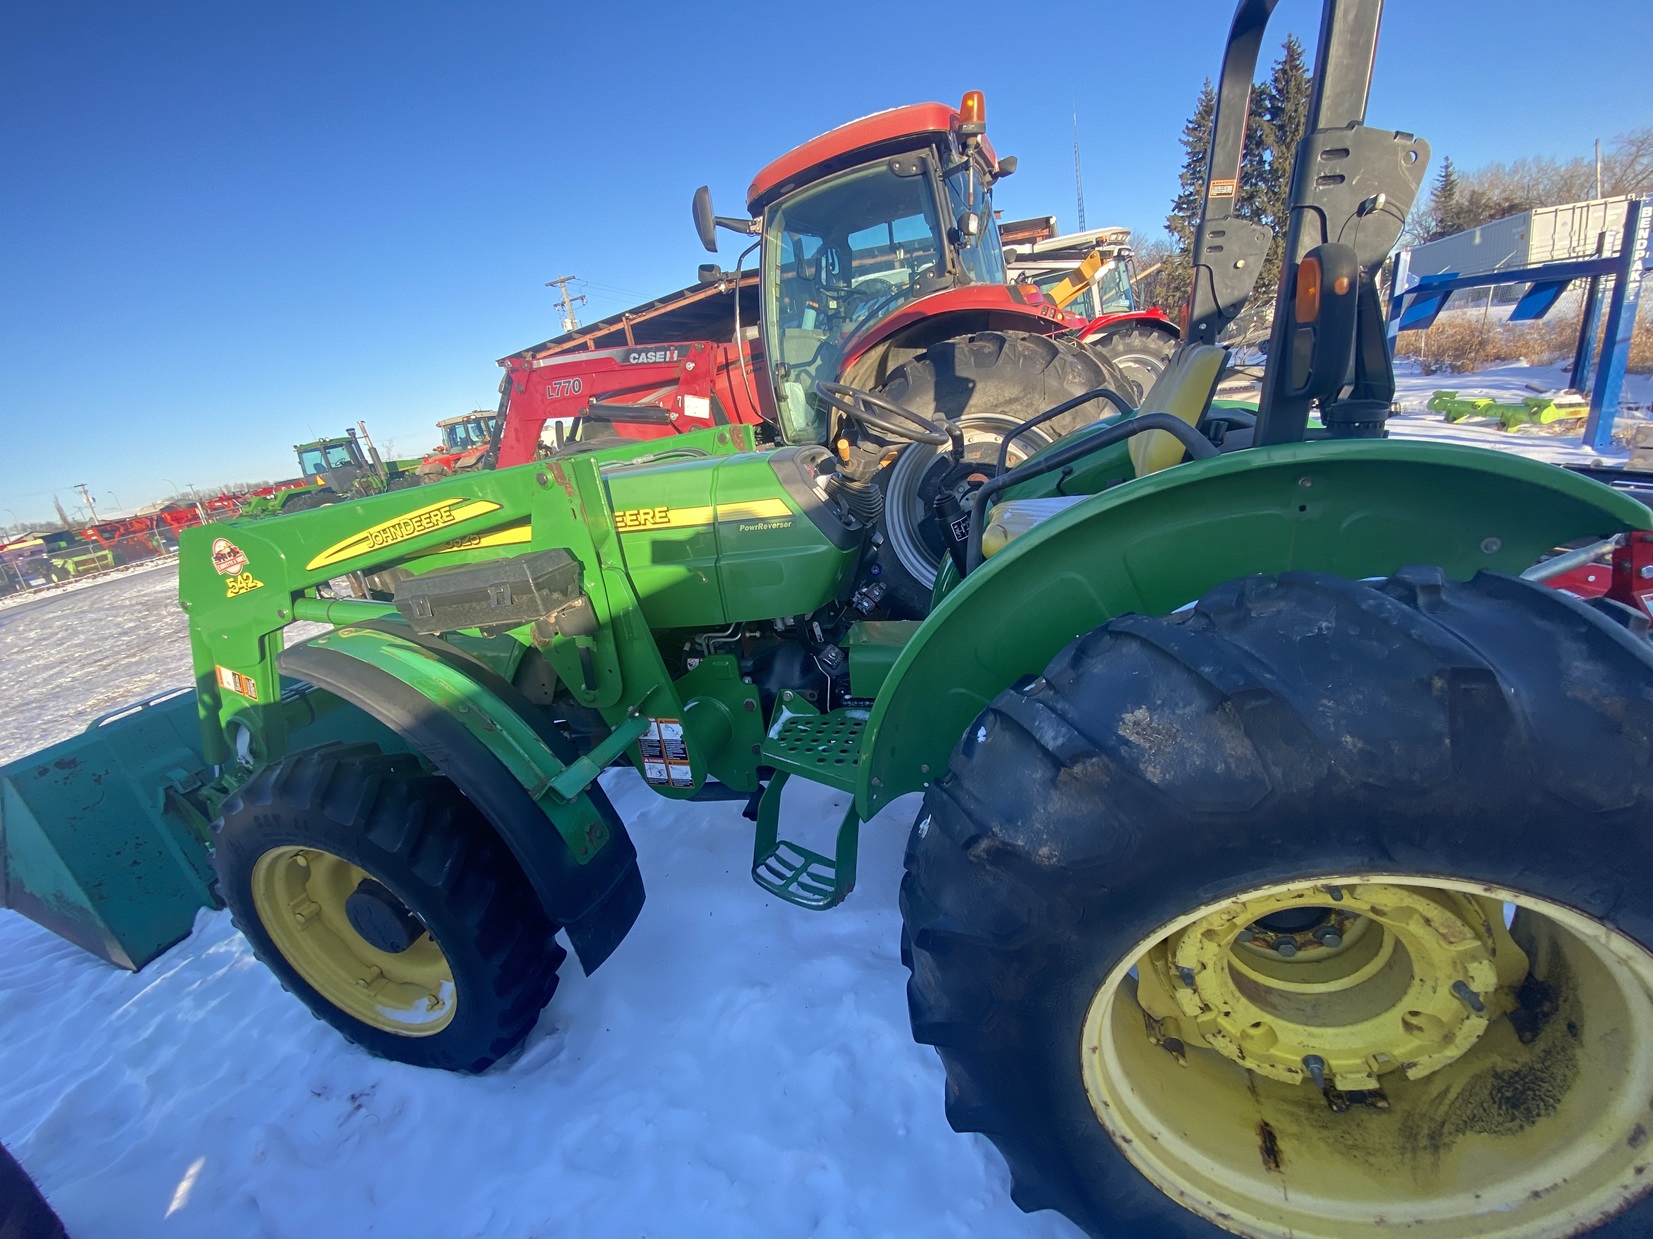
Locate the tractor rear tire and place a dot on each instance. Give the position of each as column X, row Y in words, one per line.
column 318, row 498
column 988, row 383
column 1489, row 742
column 1141, row 353
column 24, row 1213
column 383, row 900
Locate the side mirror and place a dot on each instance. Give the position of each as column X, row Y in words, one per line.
column 1321, row 342
column 711, row 273
column 705, row 223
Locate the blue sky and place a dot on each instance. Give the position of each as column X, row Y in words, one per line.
column 229, row 227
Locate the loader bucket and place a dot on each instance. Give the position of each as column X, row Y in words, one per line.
column 95, row 842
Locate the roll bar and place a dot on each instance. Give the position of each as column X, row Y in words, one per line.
column 1351, row 186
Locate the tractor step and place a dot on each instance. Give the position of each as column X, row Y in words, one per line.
column 795, row 873
column 824, row 748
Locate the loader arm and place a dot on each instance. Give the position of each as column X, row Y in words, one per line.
column 449, row 697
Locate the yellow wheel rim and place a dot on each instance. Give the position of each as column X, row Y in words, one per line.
column 299, row 894
column 1370, row 1055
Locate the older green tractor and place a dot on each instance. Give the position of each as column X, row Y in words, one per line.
column 1282, row 868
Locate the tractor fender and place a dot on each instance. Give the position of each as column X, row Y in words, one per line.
column 948, row 315
column 501, row 751
column 1153, row 319
column 1355, row 508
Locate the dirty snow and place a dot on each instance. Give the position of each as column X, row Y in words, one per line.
column 740, row 1067
column 1508, row 383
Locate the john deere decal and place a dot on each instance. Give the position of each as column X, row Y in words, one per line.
column 630, row 520
column 511, row 535
column 428, row 519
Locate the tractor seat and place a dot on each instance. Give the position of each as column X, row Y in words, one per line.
column 1184, row 389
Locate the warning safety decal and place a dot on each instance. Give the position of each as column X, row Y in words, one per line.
column 238, row 683
column 665, row 756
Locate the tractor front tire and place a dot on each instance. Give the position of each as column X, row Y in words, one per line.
column 1177, row 896
column 1141, row 353
column 383, row 900
column 24, row 1213
column 988, row 383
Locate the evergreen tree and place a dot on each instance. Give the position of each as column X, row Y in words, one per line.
column 1444, row 210
column 1277, row 122
column 1185, row 207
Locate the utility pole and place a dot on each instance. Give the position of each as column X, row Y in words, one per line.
column 1078, row 180
column 561, row 283
column 86, row 497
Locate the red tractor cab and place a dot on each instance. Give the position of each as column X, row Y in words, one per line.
column 879, row 265
column 464, row 441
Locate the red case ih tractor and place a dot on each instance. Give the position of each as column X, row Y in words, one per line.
column 879, row 266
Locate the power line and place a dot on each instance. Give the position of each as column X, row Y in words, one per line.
column 561, row 283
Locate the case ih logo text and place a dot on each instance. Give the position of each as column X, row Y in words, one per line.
column 409, row 525
column 648, row 356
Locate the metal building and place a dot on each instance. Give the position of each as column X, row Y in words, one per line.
column 1543, row 234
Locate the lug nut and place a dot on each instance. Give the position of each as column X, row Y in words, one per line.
column 1186, row 976
column 1316, row 1067
column 1328, row 937
column 1285, row 948
column 1246, row 935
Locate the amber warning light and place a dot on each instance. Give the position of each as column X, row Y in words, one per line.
column 1308, row 289
column 972, row 112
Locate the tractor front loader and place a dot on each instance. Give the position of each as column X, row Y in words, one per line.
column 1282, row 863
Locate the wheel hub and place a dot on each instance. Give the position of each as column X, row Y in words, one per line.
column 915, row 478
column 353, row 941
column 1340, row 986
column 382, row 920
column 1534, row 1127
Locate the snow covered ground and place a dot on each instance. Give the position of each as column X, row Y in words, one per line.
column 740, row 1067
column 1507, row 383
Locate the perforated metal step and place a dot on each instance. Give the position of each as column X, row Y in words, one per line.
column 825, row 748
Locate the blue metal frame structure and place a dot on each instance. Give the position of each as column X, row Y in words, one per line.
column 1415, row 303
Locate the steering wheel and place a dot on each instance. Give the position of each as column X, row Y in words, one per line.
column 872, row 290
column 875, row 295
column 875, row 412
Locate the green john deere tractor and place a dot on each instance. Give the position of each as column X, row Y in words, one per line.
column 347, row 467
column 1282, row 863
